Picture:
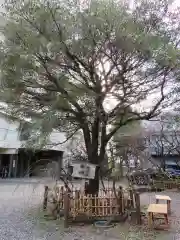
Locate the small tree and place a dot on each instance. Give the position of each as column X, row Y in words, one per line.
column 130, row 145
column 69, row 66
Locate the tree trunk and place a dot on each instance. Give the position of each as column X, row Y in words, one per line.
column 93, row 186
column 163, row 163
column 94, row 158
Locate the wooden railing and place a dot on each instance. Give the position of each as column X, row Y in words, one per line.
column 78, row 206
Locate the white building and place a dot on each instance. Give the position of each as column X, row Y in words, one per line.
column 20, row 161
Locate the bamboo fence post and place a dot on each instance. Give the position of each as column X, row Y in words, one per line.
column 120, row 199
column 61, row 197
column 76, row 203
column 66, row 209
column 138, row 207
column 46, row 189
column 131, row 198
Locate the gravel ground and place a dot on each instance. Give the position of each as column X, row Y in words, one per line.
column 15, row 199
column 20, row 218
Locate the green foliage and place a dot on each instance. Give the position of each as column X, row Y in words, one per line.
column 62, row 60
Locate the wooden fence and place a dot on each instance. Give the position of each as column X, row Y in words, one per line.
column 97, row 206
column 166, row 184
column 77, row 206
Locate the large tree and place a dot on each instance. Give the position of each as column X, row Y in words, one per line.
column 73, row 66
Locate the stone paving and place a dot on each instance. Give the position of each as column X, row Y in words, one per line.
column 20, row 198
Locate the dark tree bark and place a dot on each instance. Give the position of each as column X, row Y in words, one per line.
column 93, row 186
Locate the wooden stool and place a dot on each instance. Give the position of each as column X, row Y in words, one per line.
column 165, row 198
column 160, row 209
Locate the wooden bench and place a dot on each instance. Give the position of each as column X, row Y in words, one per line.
column 164, row 198
column 154, row 209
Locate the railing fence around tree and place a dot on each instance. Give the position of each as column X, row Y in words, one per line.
column 76, row 206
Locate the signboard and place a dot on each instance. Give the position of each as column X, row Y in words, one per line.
column 83, row 170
